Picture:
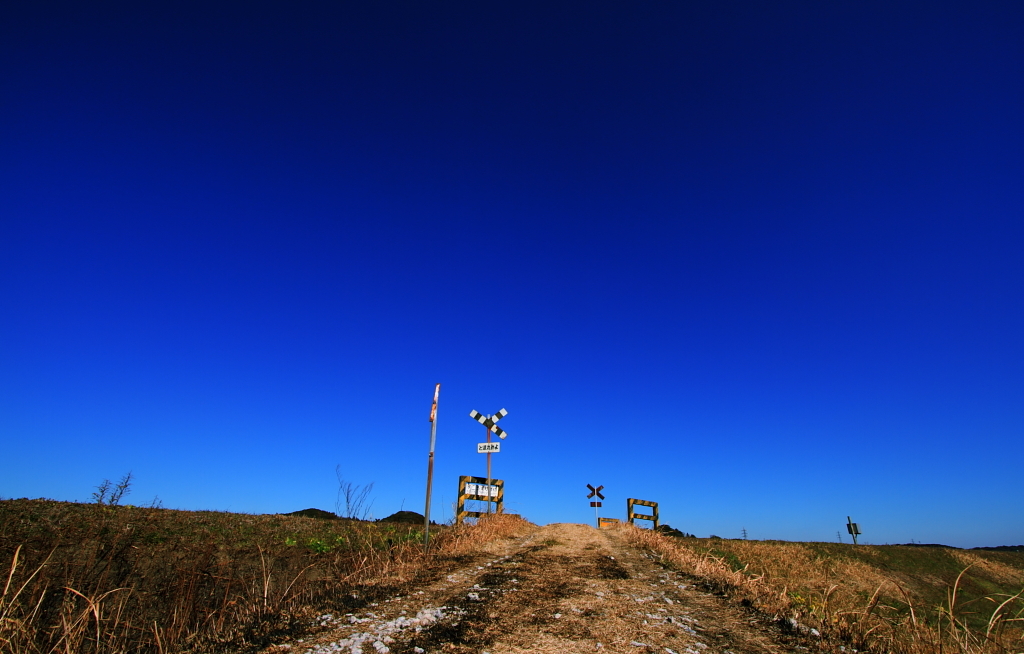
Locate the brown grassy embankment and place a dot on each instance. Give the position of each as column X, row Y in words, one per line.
column 898, row 599
column 90, row 578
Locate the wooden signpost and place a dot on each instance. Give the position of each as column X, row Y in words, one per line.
column 631, row 515
column 478, row 488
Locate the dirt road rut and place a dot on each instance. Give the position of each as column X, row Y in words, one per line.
column 562, row 588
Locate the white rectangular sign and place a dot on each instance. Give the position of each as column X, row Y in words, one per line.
column 480, row 490
column 488, row 447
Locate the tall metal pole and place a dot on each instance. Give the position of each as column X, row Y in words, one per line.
column 597, row 518
column 430, row 467
column 488, row 430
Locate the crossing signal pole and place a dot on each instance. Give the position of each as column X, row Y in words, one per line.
column 490, row 425
column 596, row 504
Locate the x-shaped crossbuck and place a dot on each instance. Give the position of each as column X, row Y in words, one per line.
column 595, row 491
column 491, row 422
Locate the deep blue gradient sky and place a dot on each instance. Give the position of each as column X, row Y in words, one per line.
column 760, row 262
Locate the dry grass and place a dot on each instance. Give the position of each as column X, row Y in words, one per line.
column 90, row 578
column 882, row 599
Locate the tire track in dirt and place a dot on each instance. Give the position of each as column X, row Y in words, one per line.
column 562, row 589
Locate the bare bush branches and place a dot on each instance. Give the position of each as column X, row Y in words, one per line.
column 351, row 499
column 111, row 494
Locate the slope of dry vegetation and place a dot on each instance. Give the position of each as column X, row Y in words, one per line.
column 907, row 600
column 95, row 578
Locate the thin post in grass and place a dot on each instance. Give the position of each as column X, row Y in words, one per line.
column 430, row 468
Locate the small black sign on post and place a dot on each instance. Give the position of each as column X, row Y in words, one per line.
column 596, row 504
column 853, row 528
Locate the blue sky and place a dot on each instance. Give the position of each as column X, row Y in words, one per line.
column 762, row 264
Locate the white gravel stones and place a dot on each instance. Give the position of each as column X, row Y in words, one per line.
column 636, row 643
column 473, row 597
column 380, row 637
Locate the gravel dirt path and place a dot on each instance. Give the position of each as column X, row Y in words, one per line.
column 563, row 588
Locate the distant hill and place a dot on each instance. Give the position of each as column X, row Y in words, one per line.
column 996, row 548
column 669, row 530
column 404, row 517
column 314, row 513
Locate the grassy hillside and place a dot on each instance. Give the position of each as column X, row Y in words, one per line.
column 99, row 578
column 894, row 598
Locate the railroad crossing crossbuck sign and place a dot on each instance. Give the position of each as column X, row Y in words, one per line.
column 596, row 504
column 491, row 422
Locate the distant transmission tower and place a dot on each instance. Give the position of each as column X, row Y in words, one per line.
column 744, row 533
